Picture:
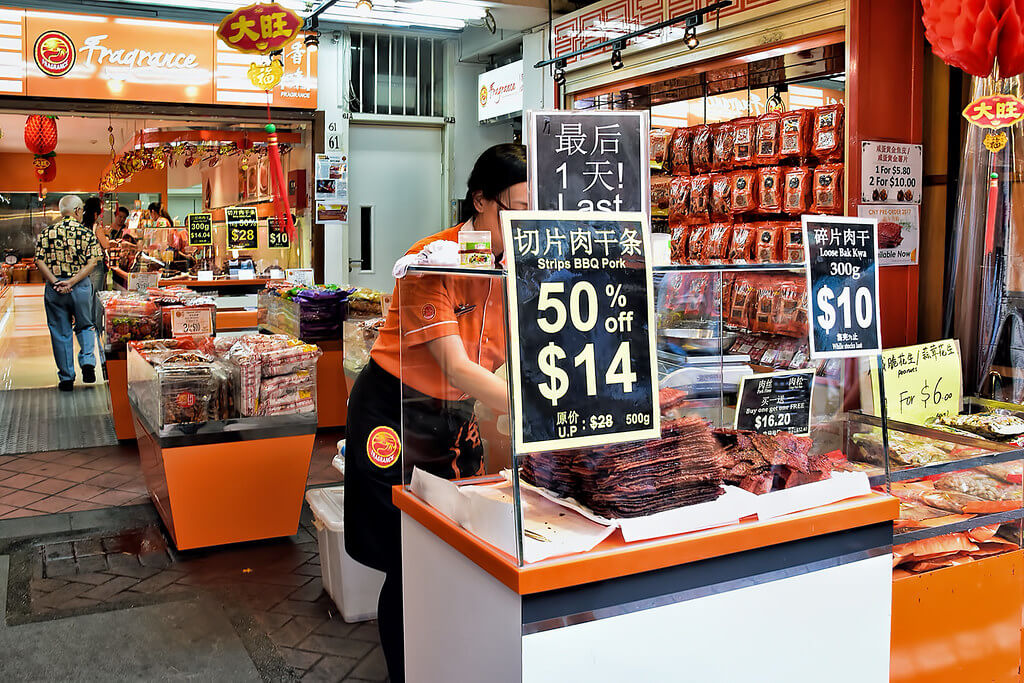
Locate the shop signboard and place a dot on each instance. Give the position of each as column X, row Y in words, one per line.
column 277, row 236
column 899, row 232
column 192, row 322
column 140, row 282
column 921, row 382
column 583, row 363
column 589, row 161
column 776, row 402
column 841, row 253
column 200, row 229
column 500, row 92
column 241, row 224
column 890, row 173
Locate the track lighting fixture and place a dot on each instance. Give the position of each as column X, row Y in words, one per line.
column 690, row 37
column 617, row 54
column 559, row 74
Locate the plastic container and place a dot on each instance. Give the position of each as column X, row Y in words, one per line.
column 354, row 587
column 475, row 249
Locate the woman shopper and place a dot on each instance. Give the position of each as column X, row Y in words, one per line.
column 433, row 371
column 92, row 218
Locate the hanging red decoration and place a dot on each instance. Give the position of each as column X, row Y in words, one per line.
column 41, row 134
column 973, row 34
column 1011, row 40
column 281, row 208
column 46, row 167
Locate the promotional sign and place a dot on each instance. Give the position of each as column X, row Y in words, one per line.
column 241, row 223
column 140, row 282
column 300, row 276
column 583, row 359
column 192, row 322
column 899, row 232
column 500, row 92
column 776, row 402
column 330, row 187
column 589, row 161
column 200, row 229
column 842, row 281
column 921, row 382
column 890, row 173
column 277, row 236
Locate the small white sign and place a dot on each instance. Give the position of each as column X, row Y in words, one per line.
column 140, row 282
column 300, row 276
column 500, row 91
column 247, row 275
column 899, row 232
column 890, row 173
column 205, row 275
column 134, row 218
column 191, row 322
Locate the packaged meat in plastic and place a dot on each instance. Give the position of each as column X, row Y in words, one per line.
column 679, row 201
column 661, row 195
column 284, row 386
column 247, row 373
column 659, row 147
column 904, row 449
column 744, row 136
column 827, row 143
column 979, row 484
column 724, row 299
column 696, row 297
column 719, row 239
column 767, row 243
column 679, row 151
column 723, row 137
column 796, row 134
column 287, row 360
column 997, row 425
column 185, row 389
column 720, row 208
column 744, row 191
column 680, row 244
column 769, row 189
column 306, row 404
column 764, row 304
column 700, row 198
column 741, row 250
column 792, row 243
column 700, row 149
column 1010, row 472
column 789, row 314
column 739, row 309
column 828, row 189
column 767, row 149
column 796, row 199
column 697, row 244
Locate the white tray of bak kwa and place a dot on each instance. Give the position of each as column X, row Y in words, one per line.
column 840, row 486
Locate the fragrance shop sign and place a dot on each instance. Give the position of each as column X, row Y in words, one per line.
column 86, row 56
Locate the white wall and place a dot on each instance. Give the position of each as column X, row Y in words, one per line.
column 331, row 102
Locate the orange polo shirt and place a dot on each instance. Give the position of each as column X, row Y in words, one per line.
column 430, row 306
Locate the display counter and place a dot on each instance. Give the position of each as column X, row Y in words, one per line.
column 219, row 285
column 651, row 610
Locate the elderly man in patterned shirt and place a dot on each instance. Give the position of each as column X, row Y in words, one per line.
column 66, row 252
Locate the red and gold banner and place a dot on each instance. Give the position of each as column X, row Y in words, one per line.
column 995, row 111
column 260, row 29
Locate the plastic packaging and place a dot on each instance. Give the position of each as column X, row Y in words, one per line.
column 659, row 147
column 741, row 249
column 679, row 201
column 475, row 249
column 720, row 208
column 700, row 198
column 744, row 132
column 700, row 150
column 679, row 151
column 795, row 140
column 796, row 199
column 828, row 189
column 828, row 132
column 723, row 136
column 769, row 189
column 744, row 191
column 767, row 149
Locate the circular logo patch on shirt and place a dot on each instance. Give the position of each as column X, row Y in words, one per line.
column 383, row 447
column 429, row 311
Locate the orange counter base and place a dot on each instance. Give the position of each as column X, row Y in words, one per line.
column 217, row 493
column 331, row 387
column 117, row 384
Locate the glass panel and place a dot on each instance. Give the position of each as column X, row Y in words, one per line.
column 368, row 90
column 437, row 79
column 355, row 75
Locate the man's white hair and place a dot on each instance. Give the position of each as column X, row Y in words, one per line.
column 70, row 203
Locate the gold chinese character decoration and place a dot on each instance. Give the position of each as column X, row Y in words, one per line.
column 265, row 76
column 260, row 28
column 995, row 141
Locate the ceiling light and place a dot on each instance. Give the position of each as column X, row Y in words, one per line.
column 559, row 73
column 617, row 55
column 312, row 41
column 690, row 37
column 364, row 6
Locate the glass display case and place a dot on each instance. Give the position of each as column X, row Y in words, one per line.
column 310, row 314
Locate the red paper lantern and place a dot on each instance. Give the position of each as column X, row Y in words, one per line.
column 46, row 168
column 41, row 134
column 972, row 34
column 1011, row 39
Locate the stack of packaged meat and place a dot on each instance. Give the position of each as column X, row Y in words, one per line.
column 274, row 374
column 760, row 463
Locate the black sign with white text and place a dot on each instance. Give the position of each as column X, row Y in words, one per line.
column 277, row 236
column 200, row 229
column 583, row 366
column 241, row 223
column 842, row 282
column 589, row 161
column 776, row 402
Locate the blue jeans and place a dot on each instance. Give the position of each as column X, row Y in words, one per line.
column 61, row 309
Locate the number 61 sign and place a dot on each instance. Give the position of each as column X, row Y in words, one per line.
column 842, row 285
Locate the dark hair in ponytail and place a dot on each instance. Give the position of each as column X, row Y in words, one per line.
column 497, row 169
column 91, row 209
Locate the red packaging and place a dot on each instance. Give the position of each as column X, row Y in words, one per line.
column 795, row 137
column 679, row 201
column 700, row 198
column 744, row 136
column 695, row 300
column 659, row 147
column 767, row 290
column 741, row 249
column 744, row 191
column 700, row 149
column 796, row 198
column 767, row 243
column 721, row 156
column 719, row 241
column 741, row 302
column 793, row 243
column 661, row 194
column 790, row 312
column 724, row 299
column 697, row 244
column 767, row 149
column 827, row 142
column 769, row 189
column 679, row 244
column 679, row 151
column 720, row 207
column 828, row 189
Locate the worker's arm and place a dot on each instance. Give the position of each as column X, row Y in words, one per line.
column 101, row 236
column 467, row 376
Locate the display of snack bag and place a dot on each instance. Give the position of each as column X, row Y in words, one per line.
column 700, row 149
column 661, row 189
column 767, row 290
column 720, row 208
column 744, row 191
column 741, row 249
column 795, row 138
column 767, row 243
column 796, row 198
column 659, row 147
column 769, row 189
column 792, row 242
column 679, row 151
column 700, row 198
column 719, row 241
column 724, row 299
column 790, row 308
column 679, row 201
column 680, row 244
column 721, row 155
column 697, row 244
column 696, row 295
column 827, row 192
column 744, row 136
column 827, row 140
column 740, row 305
column 767, row 149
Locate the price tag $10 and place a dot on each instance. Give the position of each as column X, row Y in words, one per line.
column 848, row 304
